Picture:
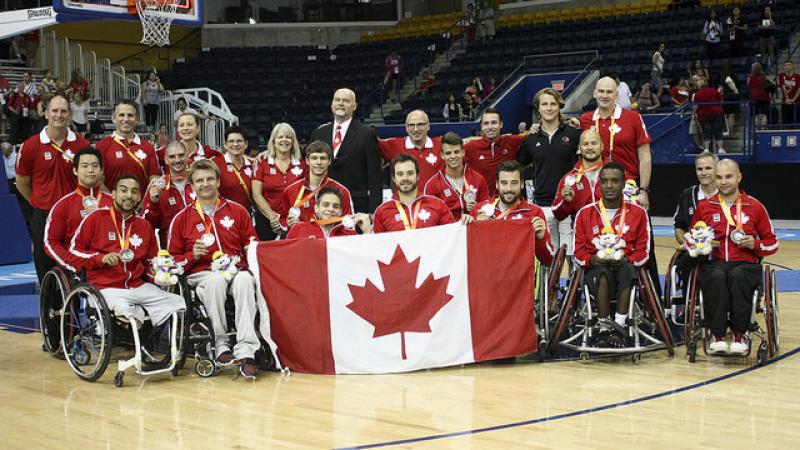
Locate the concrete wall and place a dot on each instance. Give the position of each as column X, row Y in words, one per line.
column 286, row 34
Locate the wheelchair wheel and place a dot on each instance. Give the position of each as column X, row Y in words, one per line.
column 668, row 293
column 555, row 276
column 55, row 287
column 650, row 299
column 771, row 312
column 182, row 289
column 566, row 310
column 86, row 332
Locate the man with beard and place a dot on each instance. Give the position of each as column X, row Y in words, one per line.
column 457, row 185
column 407, row 210
column 426, row 150
column 170, row 194
column 509, row 205
column 126, row 152
column 744, row 232
column 328, row 221
column 115, row 246
column 71, row 209
column 355, row 160
column 609, row 278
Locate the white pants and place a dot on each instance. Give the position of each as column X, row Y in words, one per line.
column 560, row 231
column 212, row 289
column 130, row 302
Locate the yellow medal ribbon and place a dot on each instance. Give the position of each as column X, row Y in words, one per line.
column 402, row 209
column 241, row 180
column 60, row 150
column 508, row 210
column 607, row 226
column 124, row 243
column 133, row 156
column 581, row 170
column 725, row 210
column 206, row 225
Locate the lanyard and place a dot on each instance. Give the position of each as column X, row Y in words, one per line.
column 404, row 217
column 452, row 183
column 300, row 200
column 581, row 170
column 327, row 221
column 508, row 210
column 241, row 180
column 96, row 197
column 133, row 157
column 611, row 131
column 199, row 209
column 607, row 227
column 58, row 147
column 123, row 242
column 725, row 210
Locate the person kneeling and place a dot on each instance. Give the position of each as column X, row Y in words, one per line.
column 207, row 232
column 612, row 239
column 328, row 221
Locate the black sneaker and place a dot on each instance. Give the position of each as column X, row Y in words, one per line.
column 249, row 368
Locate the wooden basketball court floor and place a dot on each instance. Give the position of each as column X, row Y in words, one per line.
column 658, row 403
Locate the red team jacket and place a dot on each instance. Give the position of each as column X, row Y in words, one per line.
column 755, row 222
column 62, row 222
column 171, row 201
column 523, row 211
column 429, row 158
column 585, row 190
column 631, row 133
column 313, row 230
column 97, row 236
column 203, row 152
column 484, row 156
column 230, row 186
column 432, row 212
column 636, row 233
column 439, row 186
column 292, row 191
column 231, row 224
column 117, row 161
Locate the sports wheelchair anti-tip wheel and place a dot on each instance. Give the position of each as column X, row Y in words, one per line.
column 119, row 379
column 205, row 368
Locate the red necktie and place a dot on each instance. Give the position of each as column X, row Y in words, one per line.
column 337, row 139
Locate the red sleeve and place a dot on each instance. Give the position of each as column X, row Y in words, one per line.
column 177, row 244
column 432, row 187
column 150, row 211
column 483, row 191
column 642, row 137
column 347, row 208
column 286, row 203
column 151, row 164
column 470, row 148
column 641, row 247
column 25, row 158
column 152, row 252
column 81, row 244
column 584, row 249
column 377, row 227
column 294, row 232
column 445, row 215
column 766, row 241
column 54, row 236
column 562, row 209
column 586, row 120
column 544, row 247
column 515, row 141
column 385, row 148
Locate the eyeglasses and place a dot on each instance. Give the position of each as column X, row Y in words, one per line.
column 414, row 126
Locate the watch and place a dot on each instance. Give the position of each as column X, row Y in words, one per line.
column 645, row 189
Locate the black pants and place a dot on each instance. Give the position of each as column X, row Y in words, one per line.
column 789, row 113
column 24, row 206
column 684, row 263
column 652, row 265
column 150, row 115
column 42, row 262
column 618, row 278
column 728, row 289
column 263, row 228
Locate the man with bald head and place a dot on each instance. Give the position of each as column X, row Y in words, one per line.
column 426, row 150
column 743, row 235
column 356, row 160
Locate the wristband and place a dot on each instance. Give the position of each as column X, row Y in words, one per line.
column 645, row 189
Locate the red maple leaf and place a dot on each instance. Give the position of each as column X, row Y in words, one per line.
column 401, row 307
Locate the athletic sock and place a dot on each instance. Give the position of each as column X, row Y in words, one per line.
column 620, row 318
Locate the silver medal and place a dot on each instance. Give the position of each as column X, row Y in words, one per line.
column 488, row 209
column 570, row 180
column 126, row 255
column 207, row 239
column 469, row 196
column 348, row 222
column 737, row 236
column 294, row 213
column 89, row 202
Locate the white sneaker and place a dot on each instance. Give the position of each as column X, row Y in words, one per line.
column 740, row 344
column 717, row 345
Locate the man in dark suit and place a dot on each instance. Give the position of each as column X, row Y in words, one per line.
column 356, row 160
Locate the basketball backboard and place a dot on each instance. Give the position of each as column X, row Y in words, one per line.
column 189, row 12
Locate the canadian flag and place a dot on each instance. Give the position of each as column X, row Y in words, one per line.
column 397, row 302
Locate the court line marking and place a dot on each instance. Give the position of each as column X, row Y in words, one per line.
column 579, row 412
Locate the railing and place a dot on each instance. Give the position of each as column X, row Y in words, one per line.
column 417, row 62
column 207, row 102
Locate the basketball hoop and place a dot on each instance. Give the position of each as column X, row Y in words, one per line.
column 156, row 17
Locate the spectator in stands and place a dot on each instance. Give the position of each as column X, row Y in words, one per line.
column 697, row 69
column 679, row 93
column 712, row 33
column 474, row 90
column 182, row 107
column 78, row 83
column 678, row 4
column 392, row 66
column 486, row 20
column 18, row 104
column 149, row 93
column 766, row 36
column 37, row 109
column 425, row 84
column 624, row 94
column 163, row 138
column 730, row 92
column 657, row 73
column 49, row 82
column 61, row 89
column 710, row 115
column 694, row 125
column 470, row 108
column 10, row 160
column 30, row 85
column 759, row 87
column 452, row 109
column 470, row 23
column 79, row 108
column 789, row 83
column 737, row 32
column 489, row 87
column 646, row 100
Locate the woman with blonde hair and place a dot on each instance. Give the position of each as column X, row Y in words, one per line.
column 279, row 166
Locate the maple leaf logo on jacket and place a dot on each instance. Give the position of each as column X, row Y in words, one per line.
column 401, row 307
column 227, row 222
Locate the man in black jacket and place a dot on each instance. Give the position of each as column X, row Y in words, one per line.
column 356, row 160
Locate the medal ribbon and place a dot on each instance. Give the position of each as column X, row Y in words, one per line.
column 327, row 221
column 582, row 170
column 301, row 200
column 124, row 243
column 508, row 210
column 60, row 150
column 607, row 221
column 206, row 225
column 241, row 180
column 97, row 197
column 404, row 217
column 133, row 156
column 168, row 180
column 727, row 211
column 611, row 132
column 455, row 186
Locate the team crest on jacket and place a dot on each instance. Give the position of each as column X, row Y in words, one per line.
column 516, row 217
column 192, row 195
column 715, row 217
column 424, row 214
column 247, row 171
column 200, row 227
column 227, row 222
column 136, row 241
column 296, row 171
column 68, row 155
column 141, row 154
column 112, row 236
column 172, row 201
column 447, row 192
column 617, row 128
column 118, row 154
column 565, row 139
column 431, row 158
column 47, row 156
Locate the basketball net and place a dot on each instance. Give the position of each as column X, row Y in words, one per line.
column 156, row 17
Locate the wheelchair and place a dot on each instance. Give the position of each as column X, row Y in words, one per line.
column 764, row 301
column 78, row 325
column 547, row 291
column 576, row 323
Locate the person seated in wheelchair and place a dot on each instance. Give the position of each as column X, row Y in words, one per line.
column 704, row 167
column 205, row 231
column 328, row 221
column 744, row 234
column 612, row 239
column 71, row 209
column 115, row 246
